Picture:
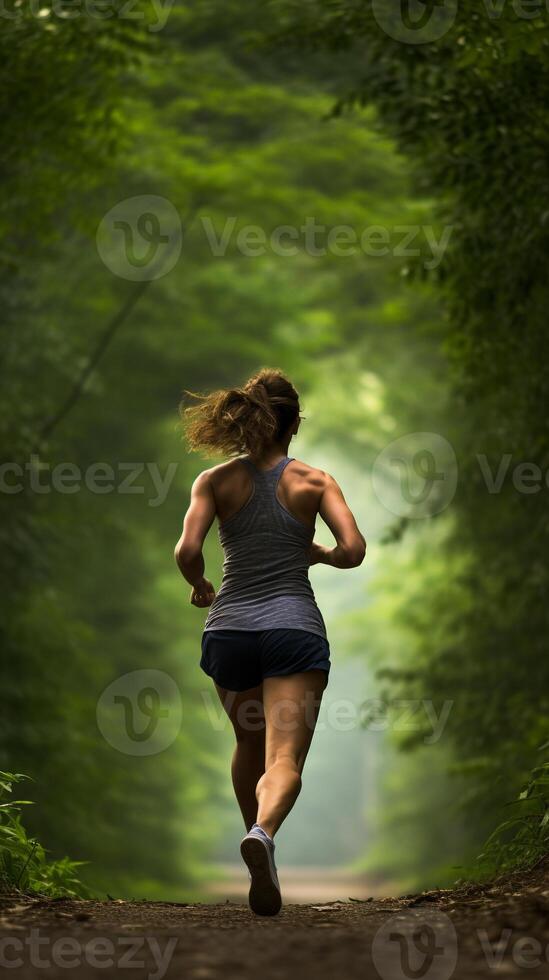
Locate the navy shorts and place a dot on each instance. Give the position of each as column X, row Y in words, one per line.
column 239, row 659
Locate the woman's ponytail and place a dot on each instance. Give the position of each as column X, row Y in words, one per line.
column 242, row 420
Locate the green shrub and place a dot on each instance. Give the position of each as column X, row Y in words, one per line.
column 522, row 839
column 23, row 861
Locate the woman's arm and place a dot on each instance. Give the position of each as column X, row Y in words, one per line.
column 188, row 550
column 350, row 544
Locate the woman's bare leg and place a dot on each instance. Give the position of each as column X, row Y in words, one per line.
column 291, row 705
column 245, row 711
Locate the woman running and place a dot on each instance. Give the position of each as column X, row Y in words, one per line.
column 264, row 642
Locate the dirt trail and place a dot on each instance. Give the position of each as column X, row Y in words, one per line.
column 497, row 930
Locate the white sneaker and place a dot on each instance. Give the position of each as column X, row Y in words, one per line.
column 258, row 853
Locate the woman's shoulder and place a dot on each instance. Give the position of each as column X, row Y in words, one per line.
column 221, row 473
column 312, row 474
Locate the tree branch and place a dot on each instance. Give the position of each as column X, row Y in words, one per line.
column 101, row 346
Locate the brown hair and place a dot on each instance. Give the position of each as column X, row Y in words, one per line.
column 242, row 420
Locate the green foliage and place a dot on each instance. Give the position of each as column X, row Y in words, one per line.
column 470, row 111
column 24, row 865
column 523, row 838
column 224, row 125
column 88, row 587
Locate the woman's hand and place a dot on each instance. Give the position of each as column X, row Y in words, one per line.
column 203, row 594
column 318, row 554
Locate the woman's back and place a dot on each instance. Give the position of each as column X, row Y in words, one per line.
column 266, row 546
column 299, row 487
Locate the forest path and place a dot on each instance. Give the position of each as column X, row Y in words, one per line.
column 500, row 929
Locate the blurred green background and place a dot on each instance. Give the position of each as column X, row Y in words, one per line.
column 240, row 116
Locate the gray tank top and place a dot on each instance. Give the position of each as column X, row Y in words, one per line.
column 266, row 568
